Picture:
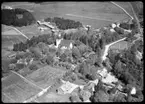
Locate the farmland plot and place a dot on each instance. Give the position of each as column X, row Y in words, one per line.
column 16, row 88
column 45, row 76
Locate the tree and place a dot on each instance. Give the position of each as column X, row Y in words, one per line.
column 63, row 57
column 76, row 53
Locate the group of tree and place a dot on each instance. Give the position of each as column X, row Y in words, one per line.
column 17, row 17
column 127, row 68
column 64, row 24
column 23, row 46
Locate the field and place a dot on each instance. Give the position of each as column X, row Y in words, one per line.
column 45, row 76
column 17, row 89
column 93, row 13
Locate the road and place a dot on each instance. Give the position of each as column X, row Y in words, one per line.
column 107, row 48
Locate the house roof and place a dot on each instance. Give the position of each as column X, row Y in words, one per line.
column 65, row 43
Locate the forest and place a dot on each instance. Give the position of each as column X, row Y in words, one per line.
column 17, row 17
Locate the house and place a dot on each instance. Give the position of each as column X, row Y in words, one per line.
column 113, row 25
column 22, row 61
column 66, row 44
column 133, row 91
column 139, row 55
column 58, row 41
column 67, row 87
column 109, row 79
column 118, row 24
column 112, row 30
column 103, row 72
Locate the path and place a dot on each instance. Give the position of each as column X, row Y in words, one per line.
column 107, row 48
column 122, row 9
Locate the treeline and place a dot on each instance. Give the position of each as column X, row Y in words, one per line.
column 64, row 24
column 46, row 38
column 17, row 17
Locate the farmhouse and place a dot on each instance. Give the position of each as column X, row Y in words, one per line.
column 64, row 44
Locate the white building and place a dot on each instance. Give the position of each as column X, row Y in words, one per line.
column 133, row 91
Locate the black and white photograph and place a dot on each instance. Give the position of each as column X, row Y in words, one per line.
column 72, row 51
